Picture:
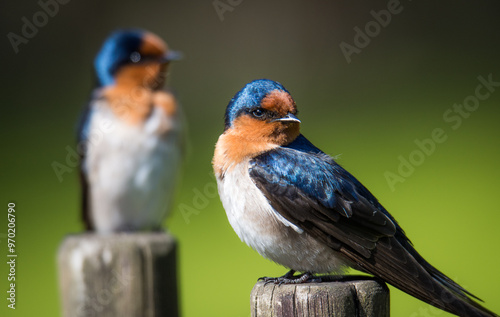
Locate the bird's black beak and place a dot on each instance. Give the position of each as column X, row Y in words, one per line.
column 288, row 118
column 171, row 56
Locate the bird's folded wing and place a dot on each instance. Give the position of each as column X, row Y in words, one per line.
column 316, row 194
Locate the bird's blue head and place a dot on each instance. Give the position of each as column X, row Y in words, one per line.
column 259, row 118
column 263, row 100
column 130, row 47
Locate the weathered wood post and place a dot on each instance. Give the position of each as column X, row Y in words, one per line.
column 125, row 274
column 353, row 296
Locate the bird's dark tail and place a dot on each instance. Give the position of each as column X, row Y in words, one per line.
column 399, row 264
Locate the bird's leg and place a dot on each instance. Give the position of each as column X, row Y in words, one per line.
column 288, row 274
column 289, row 278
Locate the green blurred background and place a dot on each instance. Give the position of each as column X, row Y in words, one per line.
column 368, row 111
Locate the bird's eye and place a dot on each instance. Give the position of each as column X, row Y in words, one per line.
column 135, row 57
column 258, row 113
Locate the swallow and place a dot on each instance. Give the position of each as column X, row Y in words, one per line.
column 296, row 206
column 129, row 136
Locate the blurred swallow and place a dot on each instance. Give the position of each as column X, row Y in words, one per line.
column 296, row 206
column 129, row 136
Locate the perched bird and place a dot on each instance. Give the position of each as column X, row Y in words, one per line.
column 129, row 136
column 296, row 206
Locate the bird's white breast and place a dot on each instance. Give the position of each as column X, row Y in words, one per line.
column 258, row 225
column 131, row 169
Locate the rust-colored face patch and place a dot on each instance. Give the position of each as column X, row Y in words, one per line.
column 130, row 103
column 152, row 45
column 279, row 102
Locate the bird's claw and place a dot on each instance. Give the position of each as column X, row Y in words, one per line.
column 289, row 278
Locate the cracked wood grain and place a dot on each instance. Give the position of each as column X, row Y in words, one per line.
column 353, row 296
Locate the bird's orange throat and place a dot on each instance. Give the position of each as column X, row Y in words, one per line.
column 248, row 138
column 130, row 103
column 133, row 104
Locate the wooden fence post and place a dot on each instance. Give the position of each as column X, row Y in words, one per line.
column 353, row 296
column 126, row 274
